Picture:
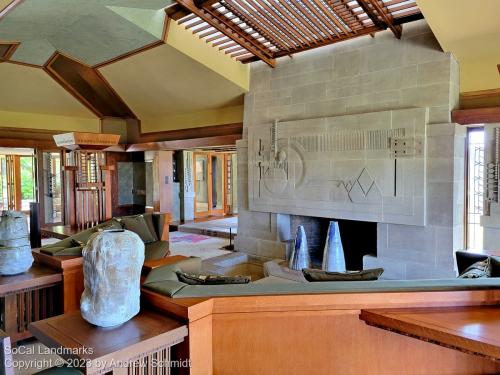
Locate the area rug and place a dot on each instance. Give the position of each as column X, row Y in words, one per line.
column 190, row 244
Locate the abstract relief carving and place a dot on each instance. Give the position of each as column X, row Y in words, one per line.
column 367, row 167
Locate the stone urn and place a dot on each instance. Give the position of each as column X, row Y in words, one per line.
column 15, row 249
column 112, row 263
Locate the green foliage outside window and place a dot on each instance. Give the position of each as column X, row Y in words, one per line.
column 27, row 180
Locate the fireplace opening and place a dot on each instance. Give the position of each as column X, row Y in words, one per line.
column 359, row 238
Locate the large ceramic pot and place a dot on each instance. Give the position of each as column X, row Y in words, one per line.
column 15, row 249
column 112, row 263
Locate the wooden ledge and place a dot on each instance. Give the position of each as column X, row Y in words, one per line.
column 473, row 330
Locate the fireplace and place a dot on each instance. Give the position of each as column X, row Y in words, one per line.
column 359, row 238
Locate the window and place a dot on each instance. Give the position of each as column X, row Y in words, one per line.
column 475, row 187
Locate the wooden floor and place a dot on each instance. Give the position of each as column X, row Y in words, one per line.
column 473, row 330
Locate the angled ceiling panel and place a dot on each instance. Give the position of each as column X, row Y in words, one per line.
column 162, row 81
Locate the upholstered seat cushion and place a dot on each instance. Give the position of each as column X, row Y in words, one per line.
column 73, row 245
column 138, row 225
column 157, row 250
column 168, row 271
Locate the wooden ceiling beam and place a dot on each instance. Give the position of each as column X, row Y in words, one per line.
column 410, row 17
column 176, row 12
column 386, row 17
column 231, row 31
column 367, row 8
column 205, row 3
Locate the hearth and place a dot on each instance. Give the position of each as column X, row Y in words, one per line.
column 359, row 238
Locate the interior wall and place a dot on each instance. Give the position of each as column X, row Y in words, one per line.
column 360, row 76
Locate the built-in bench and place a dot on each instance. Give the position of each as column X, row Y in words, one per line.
column 292, row 328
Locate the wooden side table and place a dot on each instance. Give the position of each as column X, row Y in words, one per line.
column 71, row 269
column 27, row 298
column 143, row 342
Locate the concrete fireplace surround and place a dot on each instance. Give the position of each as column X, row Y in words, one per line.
column 359, row 86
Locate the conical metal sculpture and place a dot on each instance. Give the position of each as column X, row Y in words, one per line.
column 300, row 257
column 333, row 255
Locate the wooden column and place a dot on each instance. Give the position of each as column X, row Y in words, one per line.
column 108, row 186
column 163, row 202
column 70, row 194
column 17, row 183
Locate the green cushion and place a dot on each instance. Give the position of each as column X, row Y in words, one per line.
column 319, row 275
column 157, row 250
column 75, row 250
column 379, row 286
column 167, row 288
column 109, row 225
column 168, row 271
column 149, row 221
column 138, row 225
column 51, row 250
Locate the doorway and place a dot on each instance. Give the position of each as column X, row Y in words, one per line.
column 211, row 183
column 17, row 179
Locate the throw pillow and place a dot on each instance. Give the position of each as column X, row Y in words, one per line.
column 478, row 270
column 364, row 275
column 495, row 266
column 137, row 224
column 198, row 279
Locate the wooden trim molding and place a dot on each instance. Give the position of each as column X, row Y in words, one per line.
column 476, row 116
column 166, row 23
column 7, row 49
column 480, row 94
column 9, row 8
column 184, row 144
column 191, row 133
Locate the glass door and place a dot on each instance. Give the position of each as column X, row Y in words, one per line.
column 217, row 180
column 52, row 188
column 202, row 186
column 210, row 183
column 17, row 180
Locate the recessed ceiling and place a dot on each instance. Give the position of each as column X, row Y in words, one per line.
column 163, row 81
column 91, row 31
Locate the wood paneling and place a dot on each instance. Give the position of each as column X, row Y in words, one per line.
column 476, row 116
column 322, row 333
column 480, row 99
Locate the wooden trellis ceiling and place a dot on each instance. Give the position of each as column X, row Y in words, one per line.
column 266, row 29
